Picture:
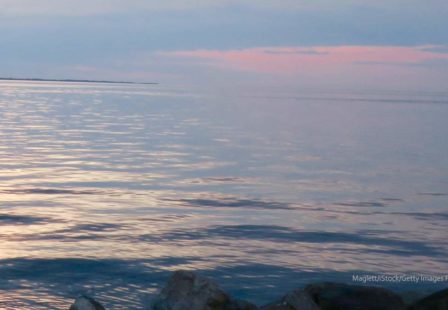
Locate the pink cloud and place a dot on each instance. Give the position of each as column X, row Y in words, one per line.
column 292, row 60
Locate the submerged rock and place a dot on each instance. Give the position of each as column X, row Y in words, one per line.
column 436, row 301
column 337, row 296
column 86, row 303
column 187, row 291
column 296, row 300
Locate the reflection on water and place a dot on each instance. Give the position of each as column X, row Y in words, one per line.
column 105, row 189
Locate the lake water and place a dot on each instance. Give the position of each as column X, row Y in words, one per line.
column 106, row 189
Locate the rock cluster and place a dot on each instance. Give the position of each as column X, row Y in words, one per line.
column 186, row 290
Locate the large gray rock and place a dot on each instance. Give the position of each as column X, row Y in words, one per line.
column 296, row 300
column 436, row 301
column 86, row 303
column 187, row 291
column 335, row 296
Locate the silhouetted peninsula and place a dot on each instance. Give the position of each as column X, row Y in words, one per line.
column 75, row 81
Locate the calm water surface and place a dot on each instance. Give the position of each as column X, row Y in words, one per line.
column 106, row 189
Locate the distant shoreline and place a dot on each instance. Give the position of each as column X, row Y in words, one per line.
column 75, row 81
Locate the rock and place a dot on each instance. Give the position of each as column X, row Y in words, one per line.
column 86, row 303
column 241, row 305
column 187, row 291
column 410, row 297
column 436, row 301
column 337, row 296
column 296, row 300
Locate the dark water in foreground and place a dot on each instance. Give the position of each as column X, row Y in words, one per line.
column 107, row 188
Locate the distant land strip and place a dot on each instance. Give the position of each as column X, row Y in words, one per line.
column 75, row 81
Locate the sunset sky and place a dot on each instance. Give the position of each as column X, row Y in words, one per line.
column 294, row 43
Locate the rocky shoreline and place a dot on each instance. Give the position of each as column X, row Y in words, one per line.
column 186, row 290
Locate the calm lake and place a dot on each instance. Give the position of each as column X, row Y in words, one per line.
column 105, row 189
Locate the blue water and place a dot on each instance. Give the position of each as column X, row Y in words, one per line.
column 106, row 189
